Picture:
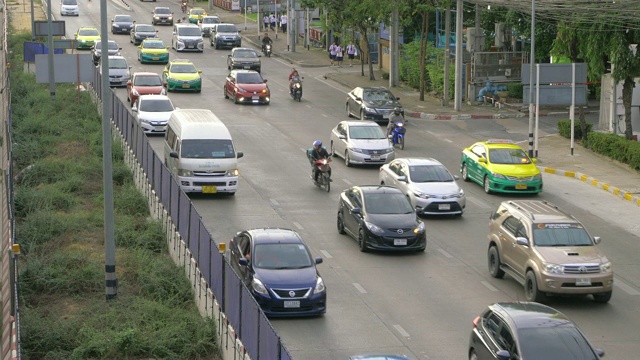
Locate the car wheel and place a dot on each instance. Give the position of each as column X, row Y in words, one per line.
column 348, row 110
column 216, row 46
column 361, row 114
column 347, row 160
column 602, row 298
column 473, row 355
column 340, row 223
column 494, row 263
column 224, row 91
column 362, row 240
column 486, row 185
column 531, row 291
column 228, row 67
column 333, row 150
column 465, row 172
column 235, row 98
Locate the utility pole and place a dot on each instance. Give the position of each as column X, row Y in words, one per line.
column 294, row 25
column 458, row 84
column 52, row 76
column 393, row 51
column 531, row 62
column 447, row 54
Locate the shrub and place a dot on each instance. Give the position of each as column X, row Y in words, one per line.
column 385, row 75
column 515, row 90
column 564, row 128
column 616, row 147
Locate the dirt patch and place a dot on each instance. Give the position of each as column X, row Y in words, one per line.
column 20, row 14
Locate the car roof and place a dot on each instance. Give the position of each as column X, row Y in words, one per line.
column 117, row 57
column 161, row 7
column 499, row 143
column 360, row 123
column 181, row 61
column 373, row 88
column 151, row 39
column 156, row 96
column 274, row 235
column 530, row 314
column 212, row 16
column 243, row 71
column 420, row 161
column 186, row 25
column 380, row 189
column 242, row 49
column 88, row 28
column 145, row 73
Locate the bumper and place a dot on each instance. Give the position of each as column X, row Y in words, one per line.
column 513, row 187
column 439, row 206
column 84, row 45
column 252, row 99
column 70, row 12
column 154, row 127
column 193, row 20
column 121, row 30
column 566, row 283
column 137, row 40
column 209, row 185
column 163, row 21
column 178, row 86
column 315, row 305
column 363, row 159
column 418, row 242
column 149, row 58
column 377, row 117
column 191, row 47
column 228, row 43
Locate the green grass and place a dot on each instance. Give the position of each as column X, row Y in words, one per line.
column 57, row 151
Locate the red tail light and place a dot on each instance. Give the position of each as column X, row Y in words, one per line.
column 476, row 321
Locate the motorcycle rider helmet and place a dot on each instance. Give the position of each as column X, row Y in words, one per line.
column 396, row 110
column 317, row 143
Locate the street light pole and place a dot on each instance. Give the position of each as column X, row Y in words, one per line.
column 531, row 62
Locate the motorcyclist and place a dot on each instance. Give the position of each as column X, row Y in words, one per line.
column 183, row 6
column 294, row 73
column 318, row 153
column 396, row 116
column 266, row 40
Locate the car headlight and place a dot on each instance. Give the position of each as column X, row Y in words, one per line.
column 387, row 151
column 259, row 287
column 368, row 109
column 116, row 25
column 537, row 177
column 363, row 151
column 146, row 121
column 183, row 172
column 420, row 194
column 498, row 176
column 233, row 172
column 606, row 267
column 419, row 229
column 553, row 268
column 374, row 228
column 156, row 17
column 170, row 18
column 460, row 194
column 319, row 286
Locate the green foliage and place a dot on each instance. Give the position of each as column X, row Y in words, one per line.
column 616, row 147
column 434, row 76
column 564, row 129
column 55, row 197
column 515, row 90
column 130, row 201
column 138, row 233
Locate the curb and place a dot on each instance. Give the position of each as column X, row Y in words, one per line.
column 621, row 193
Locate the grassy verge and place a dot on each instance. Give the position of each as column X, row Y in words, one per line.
column 57, row 150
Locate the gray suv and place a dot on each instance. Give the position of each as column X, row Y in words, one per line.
column 548, row 251
column 225, row 35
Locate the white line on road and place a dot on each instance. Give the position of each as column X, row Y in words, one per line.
column 449, row 141
column 274, row 202
column 309, row 106
column 303, row 149
column 488, row 286
column 360, row 288
column 325, row 115
column 347, row 182
column 432, row 133
column 402, row 331
column 480, row 203
column 296, row 224
column 326, row 254
column 446, row 254
column 624, row 287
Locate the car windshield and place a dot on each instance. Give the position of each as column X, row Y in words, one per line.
column 226, row 28
column 387, row 203
column 508, row 156
column 123, row 19
column 88, row 32
column 249, row 78
column 145, row 28
column 69, row 2
column 153, row 45
column 561, row 235
column 429, row 173
column 147, row 81
column 162, row 11
column 554, row 343
column 245, row 54
column 211, row 20
column 190, row 31
column 281, row 256
column 183, row 69
column 378, row 95
column 156, row 105
column 118, row 64
column 366, row 132
column 207, row 149
column 197, row 12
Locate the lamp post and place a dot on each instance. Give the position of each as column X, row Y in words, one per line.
column 531, row 62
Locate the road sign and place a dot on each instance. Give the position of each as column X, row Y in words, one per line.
column 42, row 28
column 64, row 44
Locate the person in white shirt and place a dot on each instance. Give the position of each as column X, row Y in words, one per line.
column 272, row 20
column 351, row 52
column 332, row 52
column 339, row 55
column 265, row 19
column 283, row 22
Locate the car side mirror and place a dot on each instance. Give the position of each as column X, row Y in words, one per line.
column 166, row 71
column 243, row 261
column 119, row 48
column 482, row 160
column 397, row 98
column 402, row 178
column 534, row 160
column 111, row 20
column 165, row 84
column 229, row 55
column 356, row 211
column 522, row 241
column 456, row 177
column 199, row 71
column 318, row 260
column 358, row 98
column 139, row 46
column 342, row 137
column 265, row 81
column 239, row 154
column 503, row 355
column 239, row 31
column 597, row 239
column 173, row 154
column 259, row 55
column 130, row 67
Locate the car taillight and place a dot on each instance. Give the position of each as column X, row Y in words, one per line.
column 476, row 321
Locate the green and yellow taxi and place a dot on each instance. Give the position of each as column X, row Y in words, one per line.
column 182, row 75
column 153, row 50
column 86, row 37
column 196, row 14
column 500, row 166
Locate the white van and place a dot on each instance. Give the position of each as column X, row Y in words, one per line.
column 199, row 152
column 69, row 7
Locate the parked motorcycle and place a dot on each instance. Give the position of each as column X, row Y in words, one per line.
column 267, row 50
column 296, row 88
column 397, row 134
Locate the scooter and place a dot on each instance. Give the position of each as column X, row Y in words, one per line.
column 296, row 88
column 267, row 50
column 184, row 7
column 324, row 177
column 397, row 134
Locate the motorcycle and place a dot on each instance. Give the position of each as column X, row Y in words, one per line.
column 296, row 89
column 324, row 177
column 397, row 134
column 184, row 7
column 267, row 50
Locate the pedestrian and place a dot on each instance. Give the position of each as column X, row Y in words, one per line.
column 351, row 52
column 266, row 21
column 272, row 20
column 283, row 22
column 339, row 55
column 332, row 52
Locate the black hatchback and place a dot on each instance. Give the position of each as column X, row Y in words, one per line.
column 528, row 331
column 380, row 218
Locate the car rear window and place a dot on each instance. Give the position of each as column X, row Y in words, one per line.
column 387, row 203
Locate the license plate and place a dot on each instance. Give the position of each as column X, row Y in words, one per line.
column 400, row 242
column 255, row 98
column 185, row 86
column 521, row 186
column 583, row 282
column 247, row 67
column 375, row 157
column 156, row 58
column 385, row 116
column 209, row 189
column 190, row 46
column 292, row 304
column 444, row 206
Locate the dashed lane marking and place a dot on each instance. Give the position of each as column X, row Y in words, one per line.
column 359, row 288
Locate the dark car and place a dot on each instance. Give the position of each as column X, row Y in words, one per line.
column 122, row 24
column 225, row 35
column 246, row 87
column 243, row 58
column 372, row 103
column 96, row 50
column 140, row 32
column 380, row 218
column 277, row 267
column 162, row 15
column 527, row 331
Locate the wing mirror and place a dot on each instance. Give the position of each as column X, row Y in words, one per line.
column 402, row 178
column 173, row 154
column 482, row 160
column 522, row 241
column 239, row 154
column 356, row 211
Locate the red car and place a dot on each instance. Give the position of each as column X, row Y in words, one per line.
column 145, row 83
column 247, row 86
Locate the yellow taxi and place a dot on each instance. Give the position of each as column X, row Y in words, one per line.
column 153, row 50
column 182, row 75
column 500, row 166
column 86, row 37
column 196, row 14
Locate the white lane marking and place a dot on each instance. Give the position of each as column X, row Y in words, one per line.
column 432, row 133
column 402, row 331
column 329, row 83
column 274, row 202
column 309, row 106
column 325, row 115
column 480, row 203
column 360, row 288
column 624, row 287
column 488, row 286
column 326, row 254
column 296, row 224
column 303, row 149
column 449, row 141
column 347, row 182
column 446, row 254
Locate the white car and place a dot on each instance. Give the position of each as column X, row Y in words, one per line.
column 361, row 142
column 427, row 183
column 152, row 112
column 207, row 23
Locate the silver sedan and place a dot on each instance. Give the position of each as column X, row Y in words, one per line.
column 361, row 142
column 427, row 183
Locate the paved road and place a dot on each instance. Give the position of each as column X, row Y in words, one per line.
column 418, row 304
